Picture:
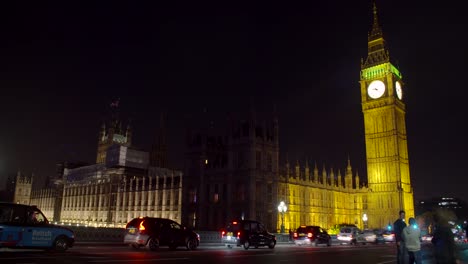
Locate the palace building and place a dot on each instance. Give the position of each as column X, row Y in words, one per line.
column 232, row 170
column 123, row 184
column 234, row 173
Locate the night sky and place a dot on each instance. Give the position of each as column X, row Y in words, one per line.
column 61, row 65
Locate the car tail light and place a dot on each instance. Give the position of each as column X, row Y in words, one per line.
column 222, row 233
column 309, row 234
column 238, row 234
column 142, row 227
column 295, row 234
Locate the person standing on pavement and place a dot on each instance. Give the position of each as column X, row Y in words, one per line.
column 398, row 227
column 412, row 236
column 445, row 250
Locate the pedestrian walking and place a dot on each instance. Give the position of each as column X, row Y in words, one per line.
column 412, row 236
column 445, row 251
column 398, row 227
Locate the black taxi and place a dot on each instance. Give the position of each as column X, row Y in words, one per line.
column 247, row 233
column 25, row 226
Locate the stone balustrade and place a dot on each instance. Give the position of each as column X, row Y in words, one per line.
column 101, row 234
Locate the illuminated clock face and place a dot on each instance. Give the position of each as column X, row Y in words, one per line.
column 376, row 89
column 399, row 91
column 119, row 138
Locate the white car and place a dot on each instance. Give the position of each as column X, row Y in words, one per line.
column 348, row 235
column 366, row 236
column 388, row 236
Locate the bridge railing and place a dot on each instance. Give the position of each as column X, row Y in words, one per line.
column 101, row 234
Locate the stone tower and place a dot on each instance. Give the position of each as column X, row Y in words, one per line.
column 112, row 134
column 231, row 170
column 382, row 97
column 23, row 186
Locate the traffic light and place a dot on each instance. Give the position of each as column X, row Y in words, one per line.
column 389, row 227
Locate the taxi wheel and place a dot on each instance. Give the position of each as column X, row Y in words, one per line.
column 246, row 245
column 328, row 243
column 153, row 244
column 60, row 244
column 272, row 244
column 191, row 244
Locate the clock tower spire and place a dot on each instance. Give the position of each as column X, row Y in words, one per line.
column 376, row 47
column 385, row 133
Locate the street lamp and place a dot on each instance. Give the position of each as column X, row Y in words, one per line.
column 364, row 219
column 282, row 209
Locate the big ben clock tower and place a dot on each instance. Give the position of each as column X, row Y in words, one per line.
column 383, row 96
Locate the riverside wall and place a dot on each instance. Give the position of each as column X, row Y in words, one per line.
column 101, row 234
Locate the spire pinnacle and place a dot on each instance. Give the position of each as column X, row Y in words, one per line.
column 377, row 52
column 376, row 30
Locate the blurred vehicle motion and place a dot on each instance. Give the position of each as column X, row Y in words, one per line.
column 247, row 233
column 388, row 236
column 153, row 232
column 311, row 235
column 348, row 235
column 370, row 236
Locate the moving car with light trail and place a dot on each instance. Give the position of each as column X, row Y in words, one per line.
column 311, row 235
column 247, row 233
column 153, row 232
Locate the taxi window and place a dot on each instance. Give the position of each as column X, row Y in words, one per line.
column 134, row 222
column 36, row 217
column 261, row 228
column 5, row 214
column 346, row 230
column 174, row 225
column 12, row 214
column 232, row 227
column 301, row 230
column 253, row 226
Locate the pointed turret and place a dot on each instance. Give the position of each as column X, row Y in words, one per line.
column 324, row 175
column 128, row 133
column 102, row 132
column 357, row 181
column 307, row 171
column 340, row 181
column 298, row 170
column 377, row 52
column 349, row 175
column 316, row 173
column 332, row 178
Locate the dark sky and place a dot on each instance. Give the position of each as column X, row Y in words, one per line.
column 61, row 65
